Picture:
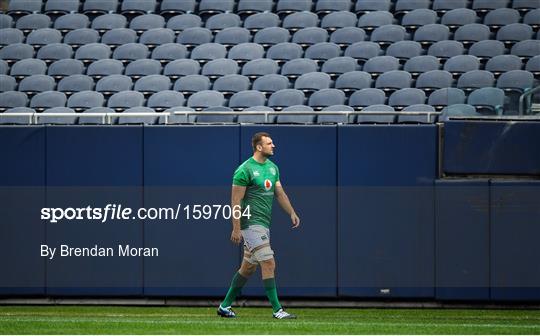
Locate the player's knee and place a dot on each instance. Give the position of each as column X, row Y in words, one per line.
column 268, row 265
column 247, row 269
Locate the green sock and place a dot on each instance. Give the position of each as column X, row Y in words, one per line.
column 271, row 292
column 238, row 281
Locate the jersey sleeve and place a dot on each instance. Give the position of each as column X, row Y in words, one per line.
column 240, row 177
column 277, row 174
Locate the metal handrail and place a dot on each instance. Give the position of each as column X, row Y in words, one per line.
column 524, row 99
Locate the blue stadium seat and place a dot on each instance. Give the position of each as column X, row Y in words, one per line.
column 118, row 36
column 475, row 79
column 143, row 67
column 65, row 67
column 221, row 21
column 4, row 67
column 299, row 20
column 444, row 97
column 57, row 120
column 6, row 21
column 443, row 6
column 432, row 33
column 112, row 84
column 525, row 5
column 107, row 22
column 533, row 65
column 244, row 99
column 471, row 33
column 458, row 17
column 347, row 35
column 93, row 52
column 248, row 7
column 72, row 21
column 514, row 32
column 10, row 36
column 260, row 67
column 365, row 118
column 283, row 52
column 322, row 52
column 393, row 80
column 515, row 83
column 232, row 36
column 301, row 115
column 418, row 18
column 182, row 67
column 335, row 118
column 526, row 49
column 35, row 84
column 58, row 7
column 191, row 84
column 178, row 118
column 297, row 67
column 309, row 36
column 22, row 7
column 124, row 100
column 231, row 84
column 75, row 83
column 380, row 64
column 48, row 99
column 168, row 52
column 352, row 81
column 28, row 67
column 43, row 36
column 329, row 6
column 259, row 21
column 406, row 97
column 271, row 83
column 166, row 99
column 175, row 7
column 366, row 97
column 460, row 64
column 363, row 51
column 336, row 20
column 208, row 52
column 254, row 118
column 105, row 67
column 151, row 84
column 312, row 81
column 203, row 99
column 404, row 50
column 285, row 98
column 484, row 6
column 194, row 36
column 326, row 97
column 54, row 52
column 130, row 52
column 372, row 20
column 215, row 6
column 181, row 22
column 417, row 119
column 17, row 120
column 138, row 7
column 388, row 34
column 220, row 67
column 503, row 63
column 81, row 36
column 85, row 100
column 499, row 17
column 484, row 50
column 11, row 99
column 532, row 18
column 406, row 6
column 458, row 110
column 15, row 52
column 156, row 37
column 367, row 6
column 446, row 49
column 100, row 6
column 291, row 6
column 87, row 119
column 270, row 36
column 420, row 64
column 31, row 22
column 144, row 120
column 487, row 100
column 7, row 83
column 339, row 65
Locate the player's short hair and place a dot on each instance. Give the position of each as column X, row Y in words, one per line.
column 257, row 139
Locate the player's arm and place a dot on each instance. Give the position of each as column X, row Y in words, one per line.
column 286, row 205
column 237, row 195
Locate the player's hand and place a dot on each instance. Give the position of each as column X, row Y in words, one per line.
column 236, row 237
column 295, row 220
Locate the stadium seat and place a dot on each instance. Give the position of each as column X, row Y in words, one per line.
column 312, row 81
column 151, row 84
column 532, row 18
column 54, row 52
column 499, row 17
column 322, row 52
column 143, row 67
column 105, row 67
column 10, row 36
column 216, row 118
column 260, row 67
column 475, row 79
column 15, row 52
column 48, row 99
column 181, row 22
column 300, row 115
column 254, row 118
column 339, row 65
column 431, row 33
column 6, row 21
column 215, row 6
column 31, row 22
column 487, row 100
column 406, row 97
column 178, row 118
column 138, row 7
column 270, row 36
column 514, row 32
column 182, row 67
column 17, row 120
column 191, row 84
column 259, row 21
column 484, row 50
column 352, row 81
column 443, row 6
column 232, row 36
column 364, row 118
column 195, row 36
column 424, row 119
column 165, row 99
column 118, row 36
column 221, row 21
column 444, row 97
column 525, row 5
column 533, row 65
column 283, row 52
column 367, row 6
column 95, row 7
column 28, row 67
column 246, row 52
column 373, row 20
column 168, row 52
column 365, row 97
column 81, row 36
column 347, row 35
column 418, row 18
column 65, row 67
column 43, row 36
column 326, row 97
column 11, row 99
column 515, row 83
column 22, row 7
column 471, row 33
column 231, row 84
column 220, row 67
column 309, row 36
column 458, row 110
column 208, row 51
column 57, row 120
column 363, row 51
column 458, row 17
column 406, row 6
column 85, row 100
column 285, row 98
column 7, row 83
column 75, row 83
column 329, row 6
column 244, row 99
column 503, row 63
column 4, row 67
column 444, row 50
column 526, row 49
column 72, row 21
column 112, row 84
column 484, row 6
column 203, row 99
column 146, row 22
column 156, row 37
column 300, row 20
column 380, row 64
column 86, row 118
column 107, row 22
column 249, row 7
column 297, row 67
column 393, row 80
column 93, row 52
column 404, row 50
column 337, row 20
column 58, row 7
column 124, row 100
column 130, row 52
column 144, row 120
column 35, row 84
column 175, row 7
column 420, row 64
column 388, row 34
column 290, row 6
column 335, row 118
column 460, row 64
column 271, row 83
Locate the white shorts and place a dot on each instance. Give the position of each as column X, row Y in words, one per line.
column 257, row 244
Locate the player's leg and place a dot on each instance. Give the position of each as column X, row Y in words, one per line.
column 247, row 268
column 268, row 268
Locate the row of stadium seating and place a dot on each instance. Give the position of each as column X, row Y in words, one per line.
column 256, row 6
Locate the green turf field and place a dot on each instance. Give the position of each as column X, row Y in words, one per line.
column 172, row 320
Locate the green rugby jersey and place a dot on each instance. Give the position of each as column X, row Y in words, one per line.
column 260, row 180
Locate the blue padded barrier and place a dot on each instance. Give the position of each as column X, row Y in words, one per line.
column 22, row 195
column 189, row 165
column 515, row 252
column 462, row 239
column 385, row 212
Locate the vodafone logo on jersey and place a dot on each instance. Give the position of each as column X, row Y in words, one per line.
column 267, row 184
